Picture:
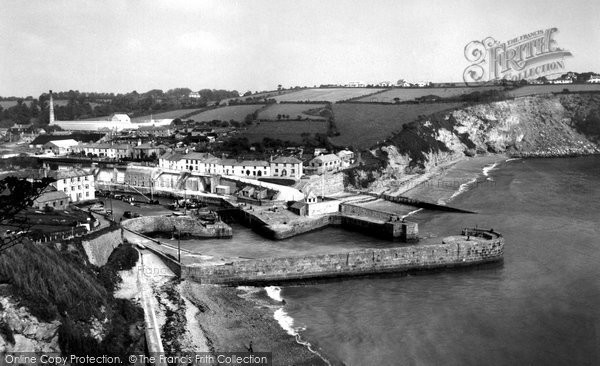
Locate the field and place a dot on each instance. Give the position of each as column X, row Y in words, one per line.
column 363, row 125
column 326, row 94
column 234, row 112
column 293, row 110
column 283, row 130
column 555, row 88
column 413, row 93
column 166, row 115
column 267, row 94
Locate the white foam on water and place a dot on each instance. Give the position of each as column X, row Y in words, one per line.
column 488, row 168
column 286, row 322
column 412, row 213
column 463, row 188
column 274, row 292
column 512, row 159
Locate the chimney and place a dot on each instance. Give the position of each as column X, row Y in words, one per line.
column 51, row 109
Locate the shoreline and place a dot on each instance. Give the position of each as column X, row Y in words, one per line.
column 231, row 318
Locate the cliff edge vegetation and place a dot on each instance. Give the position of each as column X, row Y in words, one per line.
column 543, row 126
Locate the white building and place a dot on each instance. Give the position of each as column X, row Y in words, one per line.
column 594, row 79
column 61, row 147
column 246, row 168
column 284, row 166
column 113, row 151
column 356, row 84
column 75, row 183
column 325, row 163
column 562, row 81
column 346, row 157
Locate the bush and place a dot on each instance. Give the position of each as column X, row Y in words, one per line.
column 123, row 258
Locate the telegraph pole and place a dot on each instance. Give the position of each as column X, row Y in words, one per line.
column 179, row 245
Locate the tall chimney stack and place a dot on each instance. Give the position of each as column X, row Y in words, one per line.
column 51, row 109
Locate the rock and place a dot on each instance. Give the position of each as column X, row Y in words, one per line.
column 23, row 344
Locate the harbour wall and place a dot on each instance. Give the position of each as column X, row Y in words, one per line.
column 452, row 252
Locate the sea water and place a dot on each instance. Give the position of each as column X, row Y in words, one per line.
column 540, row 307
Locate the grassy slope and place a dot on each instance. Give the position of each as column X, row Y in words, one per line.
column 325, row 94
column 363, row 125
column 60, row 285
column 283, row 130
column 293, row 110
column 234, row 112
column 412, row 93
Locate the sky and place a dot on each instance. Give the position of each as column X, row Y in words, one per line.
column 120, row 46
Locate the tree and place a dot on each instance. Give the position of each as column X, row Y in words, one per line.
column 16, row 195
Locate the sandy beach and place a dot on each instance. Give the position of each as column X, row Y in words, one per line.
column 441, row 183
column 230, row 320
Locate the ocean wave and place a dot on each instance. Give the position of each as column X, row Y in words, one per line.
column 463, row 188
column 286, row 322
column 411, row 213
column 486, row 169
column 274, row 292
column 512, row 159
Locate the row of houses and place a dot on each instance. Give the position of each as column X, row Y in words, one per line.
column 282, row 166
column 105, row 150
column 206, row 163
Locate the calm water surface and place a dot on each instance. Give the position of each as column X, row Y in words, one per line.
column 541, row 307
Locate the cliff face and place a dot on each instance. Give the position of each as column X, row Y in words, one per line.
column 531, row 126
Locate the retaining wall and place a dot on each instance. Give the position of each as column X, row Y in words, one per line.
column 349, row 209
column 99, row 248
column 454, row 251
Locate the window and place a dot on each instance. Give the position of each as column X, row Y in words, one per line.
column 87, row 194
column 61, row 203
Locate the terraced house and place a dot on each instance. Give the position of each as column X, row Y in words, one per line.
column 75, row 183
column 205, row 163
column 112, row 151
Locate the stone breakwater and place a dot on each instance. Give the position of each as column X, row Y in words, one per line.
column 185, row 225
column 454, row 251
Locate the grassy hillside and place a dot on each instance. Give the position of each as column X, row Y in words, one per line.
column 292, row 110
column 363, row 125
column 283, row 130
column 326, row 94
column 558, row 88
column 234, row 112
column 404, row 94
column 59, row 285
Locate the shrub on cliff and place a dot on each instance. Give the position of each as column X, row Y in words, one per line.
column 123, row 258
